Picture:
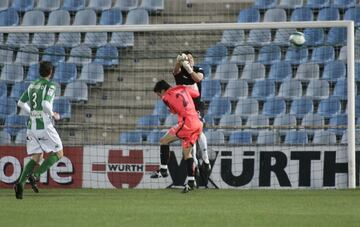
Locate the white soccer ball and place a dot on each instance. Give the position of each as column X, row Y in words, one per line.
column 297, row 39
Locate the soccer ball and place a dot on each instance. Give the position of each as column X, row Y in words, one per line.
column 297, row 39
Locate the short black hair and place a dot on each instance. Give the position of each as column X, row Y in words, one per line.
column 45, row 68
column 187, row 52
column 161, row 85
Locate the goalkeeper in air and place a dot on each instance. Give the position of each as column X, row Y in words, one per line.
column 41, row 135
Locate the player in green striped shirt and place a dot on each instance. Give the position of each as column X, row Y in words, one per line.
column 41, row 135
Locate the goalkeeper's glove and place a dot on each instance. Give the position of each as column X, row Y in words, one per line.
column 180, row 58
column 186, row 65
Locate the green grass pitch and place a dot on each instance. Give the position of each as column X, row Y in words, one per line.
column 169, row 207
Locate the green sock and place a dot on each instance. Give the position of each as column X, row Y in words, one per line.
column 29, row 167
column 51, row 160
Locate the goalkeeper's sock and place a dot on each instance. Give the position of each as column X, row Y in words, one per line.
column 29, row 167
column 51, row 160
column 164, row 156
column 190, row 171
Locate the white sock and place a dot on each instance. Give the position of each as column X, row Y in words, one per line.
column 194, row 154
column 203, row 147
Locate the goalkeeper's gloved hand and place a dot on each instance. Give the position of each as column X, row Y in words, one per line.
column 180, row 58
column 186, row 65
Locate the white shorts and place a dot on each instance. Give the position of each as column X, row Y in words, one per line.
column 47, row 140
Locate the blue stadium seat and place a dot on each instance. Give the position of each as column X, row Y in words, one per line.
column 12, row 73
column 324, row 137
column 209, row 120
column 344, row 139
column 111, row 17
column 219, row 106
column 256, row 122
column 226, row 71
column 230, row 120
column 9, row 17
column 263, row 89
column 4, row 5
column 301, row 106
column 302, row 14
column 343, row 54
column 33, row 18
column 85, row 17
column 21, row 137
column 210, row 89
column 80, row 55
column 48, row 5
column 33, row 72
column 27, row 55
column 266, row 137
column 137, row 16
column 280, row 71
column 340, row 89
column 282, row 36
column 247, row 106
column 65, row 73
column 253, row 71
column 148, row 121
column 259, row 37
column 317, row 4
column 152, row 5
column 6, row 56
column 160, row 109
column 338, row 124
column 343, row 4
column 296, row 138
column 43, row 40
column 274, row 106
column 353, row 14
column 275, row 15
column 323, row 54
column 63, row 107
column 357, row 107
column 249, row 15
column 215, row 137
column 243, row 54
column 240, row 137
column 314, row 36
column 92, row 74
column 17, row 39
column 296, row 56
column 231, row 38
column 329, row 106
column 59, row 17
column 336, row 36
column 22, row 6
column 308, row 71
column 269, row 54
column 290, row 89
column 76, row 91
column 107, row 56
column 3, row 89
column 73, row 5
column 206, row 70
column 99, row 5
column 357, row 71
column 5, row 138
column 54, row 54
column 14, row 123
column 126, row 5
column 236, row 89
column 122, row 39
column 265, row 4
column 284, row 122
column 318, row 89
column 155, row 136
column 131, row 137
column 95, row 39
column 7, row 107
column 334, row 70
column 216, row 54
column 290, row 4
column 330, row 13
column 18, row 88
column 312, row 121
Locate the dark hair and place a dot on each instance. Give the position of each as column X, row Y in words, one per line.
column 161, row 85
column 187, row 52
column 45, row 68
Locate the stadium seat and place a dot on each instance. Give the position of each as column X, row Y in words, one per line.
column 9, row 17
column 290, row 4
column 27, row 55
column 231, row 38
column 215, row 137
column 4, row 5
column 308, row 71
column 73, row 5
column 263, row 89
column 226, row 71
column 12, row 73
column 111, row 17
column 22, row 6
column 63, row 107
column 5, row 138
column 17, row 39
column 344, row 138
column 265, row 4
column 324, row 137
column 302, row 14
column 148, row 121
column 275, row 15
column 122, row 39
column 274, row 106
column 282, row 36
column 155, row 136
column 216, row 54
column 280, row 71
column 256, row 122
column 219, row 106
column 266, row 137
column 21, row 137
column 340, row 89
column 343, row 54
column 206, row 70
column 99, row 5
column 317, row 4
column 247, row 106
column 336, row 37
column 296, row 56
column 152, row 5
column 137, row 16
column 328, row 14
column 253, row 71
column 85, row 17
column 249, row 15
column 338, row 124
column 48, row 5
column 357, row 71
column 301, row 106
column 92, row 74
column 126, row 5
column 6, row 56
column 80, row 55
column 236, row 89
column 59, row 17
column 14, row 123
column 314, row 36
column 33, row 18
column 357, row 107
column 18, row 88
column 284, row 122
column 318, row 89
column 43, row 40
column 210, row 89
column 54, row 54
column 65, row 73
column 334, row 70
column 230, row 120
column 329, row 106
column 323, row 54
column 95, row 39
column 160, row 109
column 243, row 54
column 76, row 91
column 7, row 107
column 107, row 56
column 353, row 14
column 33, row 72
column 132, row 137
column 296, row 138
column 343, row 4
column 312, row 121
column 240, row 137
column 269, row 54
column 259, row 37
column 290, row 89
column 3, row 89
column 171, row 120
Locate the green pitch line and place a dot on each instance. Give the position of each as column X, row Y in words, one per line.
column 86, row 207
